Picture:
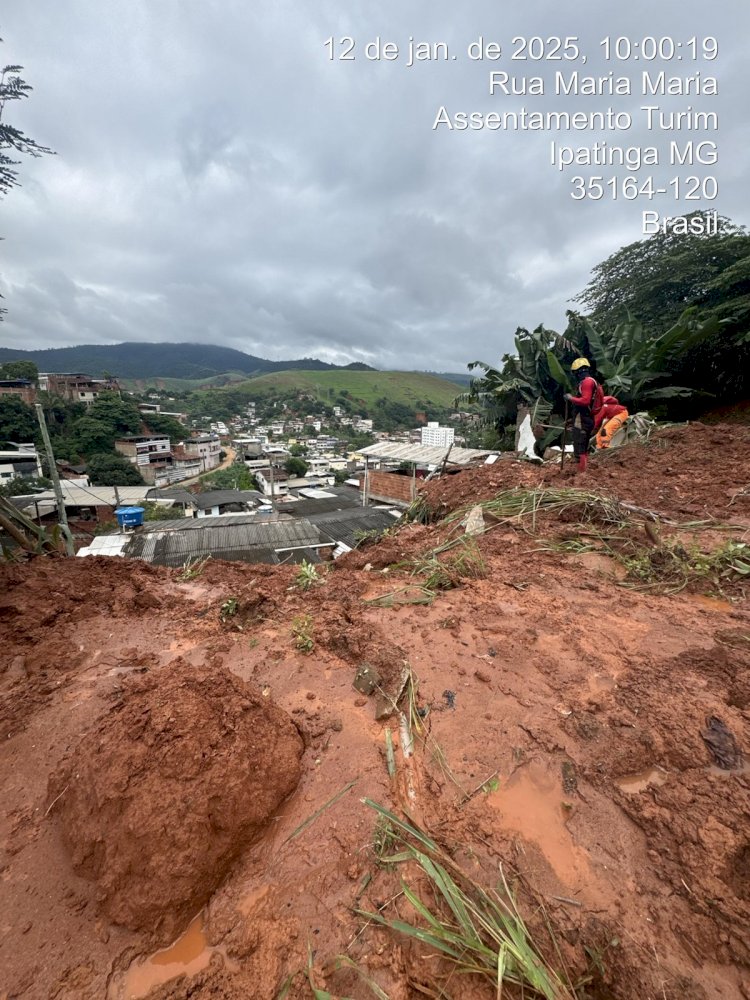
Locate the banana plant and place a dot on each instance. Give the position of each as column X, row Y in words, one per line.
column 634, row 365
column 533, row 378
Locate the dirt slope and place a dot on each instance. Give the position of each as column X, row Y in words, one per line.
column 564, row 732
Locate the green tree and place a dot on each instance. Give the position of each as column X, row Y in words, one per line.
column 632, row 364
column 13, row 142
column 295, row 467
column 159, row 423
column 112, row 470
column 637, row 366
column 19, row 369
column 158, row 511
column 534, row 377
column 236, row 477
column 121, row 415
column 657, row 279
column 90, row 436
column 17, row 421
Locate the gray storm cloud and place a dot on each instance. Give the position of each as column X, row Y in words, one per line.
column 218, row 179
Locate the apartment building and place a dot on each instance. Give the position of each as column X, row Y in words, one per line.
column 436, row 436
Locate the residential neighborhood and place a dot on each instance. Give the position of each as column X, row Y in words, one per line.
column 272, row 483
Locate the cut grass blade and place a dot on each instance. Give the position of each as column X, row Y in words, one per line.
column 403, row 595
column 348, row 963
column 479, row 931
column 519, row 504
column 317, row 993
column 311, row 819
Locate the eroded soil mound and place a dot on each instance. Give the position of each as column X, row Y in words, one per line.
column 689, row 470
column 159, row 798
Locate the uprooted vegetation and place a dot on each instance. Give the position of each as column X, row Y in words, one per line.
column 539, row 776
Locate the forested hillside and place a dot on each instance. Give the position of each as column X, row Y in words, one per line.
column 144, row 361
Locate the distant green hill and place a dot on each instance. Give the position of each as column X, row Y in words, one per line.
column 147, row 362
column 458, row 377
column 413, row 389
column 182, row 384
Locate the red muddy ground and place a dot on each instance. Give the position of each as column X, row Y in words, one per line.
column 562, row 739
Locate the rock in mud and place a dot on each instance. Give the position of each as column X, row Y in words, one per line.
column 159, row 799
column 366, row 679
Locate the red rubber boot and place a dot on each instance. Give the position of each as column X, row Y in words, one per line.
column 583, row 462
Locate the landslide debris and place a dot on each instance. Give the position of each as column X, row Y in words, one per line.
column 686, row 471
column 157, row 801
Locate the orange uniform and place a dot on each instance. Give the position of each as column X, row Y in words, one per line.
column 610, row 419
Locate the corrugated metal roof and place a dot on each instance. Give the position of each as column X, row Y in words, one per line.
column 302, row 508
column 298, row 556
column 177, row 493
column 217, row 498
column 244, row 538
column 422, row 454
column 200, row 523
column 347, row 526
column 98, row 496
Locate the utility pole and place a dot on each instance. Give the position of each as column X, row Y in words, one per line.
column 62, row 514
column 272, row 488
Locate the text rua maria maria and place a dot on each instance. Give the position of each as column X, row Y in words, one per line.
column 575, row 83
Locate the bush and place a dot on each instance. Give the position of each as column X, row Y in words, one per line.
column 295, row 467
column 112, row 470
column 24, row 485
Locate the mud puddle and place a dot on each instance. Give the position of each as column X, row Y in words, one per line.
column 532, row 803
column 189, row 954
column 710, row 603
column 631, row 784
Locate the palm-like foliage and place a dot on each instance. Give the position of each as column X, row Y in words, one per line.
column 633, row 364
column 532, row 377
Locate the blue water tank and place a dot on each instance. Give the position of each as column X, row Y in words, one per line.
column 129, row 517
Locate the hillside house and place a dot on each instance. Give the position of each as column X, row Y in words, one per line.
column 206, row 448
column 19, row 460
column 216, row 503
column 21, row 387
column 150, row 453
column 76, row 387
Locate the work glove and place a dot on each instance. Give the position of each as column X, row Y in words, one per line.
column 567, row 397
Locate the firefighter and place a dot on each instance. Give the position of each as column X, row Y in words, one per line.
column 586, row 406
column 611, row 418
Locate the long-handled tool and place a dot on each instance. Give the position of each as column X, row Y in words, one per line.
column 565, row 436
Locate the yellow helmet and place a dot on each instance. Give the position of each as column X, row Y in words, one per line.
column 579, row 363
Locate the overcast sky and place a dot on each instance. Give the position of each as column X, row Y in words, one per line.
column 218, row 179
